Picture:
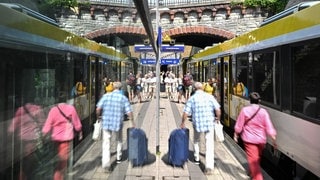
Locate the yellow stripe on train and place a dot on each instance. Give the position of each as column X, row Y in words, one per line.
column 298, row 21
column 19, row 21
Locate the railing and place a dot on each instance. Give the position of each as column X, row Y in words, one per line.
column 162, row 3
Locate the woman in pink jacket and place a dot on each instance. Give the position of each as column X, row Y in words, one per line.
column 62, row 121
column 254, row 124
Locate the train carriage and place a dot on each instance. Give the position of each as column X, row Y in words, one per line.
column 280, row 60
column 41, row 64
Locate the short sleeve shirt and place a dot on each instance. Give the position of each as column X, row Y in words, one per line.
column 114, row 105
column 202, row 108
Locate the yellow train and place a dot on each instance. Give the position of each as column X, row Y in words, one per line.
column 279, row 60
column 40, row 64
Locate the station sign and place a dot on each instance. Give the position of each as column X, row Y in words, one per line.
column 143, row 48
column 170, row 58
column 172, row 48
column 166, row 58
column 147, row 61
column 169, row 61
column 147, row 58
column 164, row 48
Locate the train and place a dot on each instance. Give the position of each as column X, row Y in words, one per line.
column 280, row 61
column 40, row 64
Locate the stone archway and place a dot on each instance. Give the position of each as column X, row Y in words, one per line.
column 200, row 30
column 128, row 32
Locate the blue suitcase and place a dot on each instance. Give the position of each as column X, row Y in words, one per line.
column 137, row 146
column 179, row 147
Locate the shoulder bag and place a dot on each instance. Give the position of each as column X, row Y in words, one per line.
column 68, row 134
column 245, row 123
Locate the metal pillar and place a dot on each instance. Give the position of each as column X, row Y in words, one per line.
column 158, row 28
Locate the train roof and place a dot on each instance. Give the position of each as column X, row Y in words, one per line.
column 30, row 12
column 31, row 32
column 289, row 11
column 296, row 27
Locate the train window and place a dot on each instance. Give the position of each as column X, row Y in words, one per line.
column 33, row 80
column 306, row 84
column 266, row 76
column 240, row 79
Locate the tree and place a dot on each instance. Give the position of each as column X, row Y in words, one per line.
column 273, row 6
column 63, row 3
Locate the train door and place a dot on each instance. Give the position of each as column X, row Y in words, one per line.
column 93, row 91
column 225, row 87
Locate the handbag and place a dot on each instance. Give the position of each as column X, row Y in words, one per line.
column 218, row 128
column 68, row 132
column 97, row 130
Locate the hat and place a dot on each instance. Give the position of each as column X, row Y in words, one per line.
column 255, row 96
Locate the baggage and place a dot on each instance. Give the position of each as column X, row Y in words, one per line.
column 97, row 130
column 137, row 146
column 162, row 88
column 218, row 128
column 179, row 147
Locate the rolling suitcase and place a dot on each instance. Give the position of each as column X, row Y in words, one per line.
column 162, row 88
column 137, row 146
column 179, row 147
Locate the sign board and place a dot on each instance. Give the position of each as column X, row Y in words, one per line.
column 170, row 58
column 148, row 58
column 166, row 58
column 172, row 48
column 169, row 61
column 143, row 48
column 164, row 48
column 166, row 38
column 147, row 61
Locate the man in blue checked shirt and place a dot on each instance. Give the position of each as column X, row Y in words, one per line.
column 204, row 110
column 113, row 107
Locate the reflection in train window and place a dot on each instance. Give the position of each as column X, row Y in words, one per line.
column 266, row 74
column 306, row 83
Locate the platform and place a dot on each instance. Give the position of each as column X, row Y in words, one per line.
column 227, row 166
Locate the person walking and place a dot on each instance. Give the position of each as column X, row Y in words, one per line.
column 112, row 107
column 62, row 121
column 254, row 124
column 138, row 86
column 26, row 127
column 204, row 109
column 180, row 87
column 209, row 87
column 187, row 82
column 131, row 83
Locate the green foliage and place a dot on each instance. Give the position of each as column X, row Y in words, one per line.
column 274, row 6
column 63, row 3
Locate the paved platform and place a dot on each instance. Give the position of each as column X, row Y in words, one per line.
column 227, row 166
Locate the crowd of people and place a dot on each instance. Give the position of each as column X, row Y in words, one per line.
column 143, row 86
